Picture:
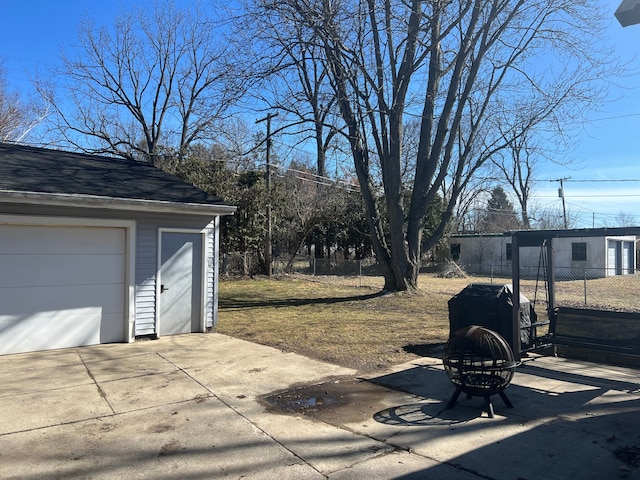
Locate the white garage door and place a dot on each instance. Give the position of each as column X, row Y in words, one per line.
column 60, row 287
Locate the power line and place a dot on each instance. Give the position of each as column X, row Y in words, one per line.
column 598, row 180
column 626, row 115
column 299, row 174
column 608, row 195
column 319, row 179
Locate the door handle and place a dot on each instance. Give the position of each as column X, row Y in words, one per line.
column 163, row 288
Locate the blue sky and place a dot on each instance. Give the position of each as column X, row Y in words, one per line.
column 608, row 150
column 32, row 32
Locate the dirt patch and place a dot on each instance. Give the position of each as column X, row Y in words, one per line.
column 170, row 448
column 161, row 428
column 338, row 401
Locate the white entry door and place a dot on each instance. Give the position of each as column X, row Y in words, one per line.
column 627, row 258
column 180, row 283
column 612, row 258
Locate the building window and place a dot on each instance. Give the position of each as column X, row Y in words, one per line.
column 508, row 251
column 578, row 252
column 455, row 252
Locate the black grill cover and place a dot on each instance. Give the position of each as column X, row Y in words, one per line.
column 490, row 305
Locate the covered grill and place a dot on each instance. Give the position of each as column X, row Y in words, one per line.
column 479, row 362
column 490, row 305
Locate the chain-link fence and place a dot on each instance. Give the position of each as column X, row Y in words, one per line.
column 239, row 264
column 595, row 288
column 613, row 292
column 326, row 266
column 575, row 287
column 249, row 264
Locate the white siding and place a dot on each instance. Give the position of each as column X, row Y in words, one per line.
column 146, row 259
column 480, row 249
column 211, row 305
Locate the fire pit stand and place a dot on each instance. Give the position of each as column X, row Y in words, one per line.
column 480, row 363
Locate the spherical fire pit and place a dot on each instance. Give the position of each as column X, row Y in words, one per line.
column 480, row 363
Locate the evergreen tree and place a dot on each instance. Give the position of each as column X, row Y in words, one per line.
column 500, row 215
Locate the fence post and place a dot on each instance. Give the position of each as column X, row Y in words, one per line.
column 585, row 286
column 360, row 272
column 314, row 266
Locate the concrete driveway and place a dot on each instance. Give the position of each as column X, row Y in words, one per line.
column 188, row 407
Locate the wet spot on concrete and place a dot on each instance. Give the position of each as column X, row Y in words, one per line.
column 338, row 401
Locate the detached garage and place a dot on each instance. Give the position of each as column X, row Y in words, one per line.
column 101, row 250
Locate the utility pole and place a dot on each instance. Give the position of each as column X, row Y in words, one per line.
column 267, row 243
column 561, row 195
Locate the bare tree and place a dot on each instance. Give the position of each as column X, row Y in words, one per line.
column 12, row 115
column 625, row 219
column 302, row 209
column 310, row 105
column 293, row 80
column 553, row 218
column 537, row 136
column 452, row 65
column 516, row 165
column 159, row 80
column 18, row 117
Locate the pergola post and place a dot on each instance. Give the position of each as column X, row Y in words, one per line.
column 515, row 285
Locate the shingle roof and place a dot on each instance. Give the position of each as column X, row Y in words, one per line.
column 41, row 170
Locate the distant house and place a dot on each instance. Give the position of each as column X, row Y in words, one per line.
column 592, row 253
column 99, row 250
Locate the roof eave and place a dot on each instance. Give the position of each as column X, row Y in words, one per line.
column 96, row 201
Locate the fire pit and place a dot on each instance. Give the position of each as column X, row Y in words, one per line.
column 480, row 363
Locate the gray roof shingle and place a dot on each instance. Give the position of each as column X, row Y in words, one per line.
column 42, row 170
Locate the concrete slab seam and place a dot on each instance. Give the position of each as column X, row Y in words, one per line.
column 114, row 415
column 100, row 391
column 244, row 417
column 59, row 424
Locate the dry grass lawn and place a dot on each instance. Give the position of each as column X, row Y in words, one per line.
column 326, row 319
column 335, row 319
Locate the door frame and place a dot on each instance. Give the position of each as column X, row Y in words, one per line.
column 129, row 227
column 203, row 273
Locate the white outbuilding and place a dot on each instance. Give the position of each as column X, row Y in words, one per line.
column 100, row 250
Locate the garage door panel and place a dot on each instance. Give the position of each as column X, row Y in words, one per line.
column 27, row 239
column 26, row 301
column 82, row 326
column 61, row 286
column 60, row 270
